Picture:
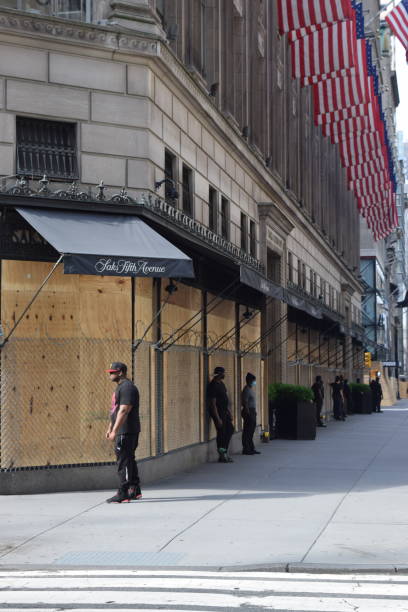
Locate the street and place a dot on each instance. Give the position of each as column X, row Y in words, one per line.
column 197, row 591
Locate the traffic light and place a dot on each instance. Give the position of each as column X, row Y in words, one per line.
column 367, row 360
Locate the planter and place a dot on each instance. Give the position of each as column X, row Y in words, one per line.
column 295, row 420
column 362, row 402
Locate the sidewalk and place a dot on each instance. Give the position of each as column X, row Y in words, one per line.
column 341, row 501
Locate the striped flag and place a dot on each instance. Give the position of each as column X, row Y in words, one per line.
column 295, row 14
column 398, row 22
column 324, row 53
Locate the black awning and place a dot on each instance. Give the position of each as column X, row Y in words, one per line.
column 257, row 281
column 107, row 244
column 302, row 304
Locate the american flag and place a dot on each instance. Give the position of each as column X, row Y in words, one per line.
column 295, row 14
column 324, row 52
column 398, row 22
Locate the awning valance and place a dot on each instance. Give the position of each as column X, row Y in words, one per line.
column 109, row 245
column 257, row 281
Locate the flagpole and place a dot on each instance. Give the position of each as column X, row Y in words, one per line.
column 384, row 8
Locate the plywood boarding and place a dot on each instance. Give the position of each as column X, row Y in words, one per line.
column 183, row 310
column 250, row 332
column 143, row 380
column 182, row 398
column 144, row 308
column 220, row 322
column 55, row 312
column 291, row 342
column 53, row 380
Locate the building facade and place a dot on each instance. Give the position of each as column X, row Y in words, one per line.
column 187, row 111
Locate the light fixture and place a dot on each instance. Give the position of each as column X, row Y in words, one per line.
column 172, row 192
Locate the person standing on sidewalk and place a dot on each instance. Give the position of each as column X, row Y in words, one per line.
column 376, row 390
column 337, row 395
column 248, row 413
column 124, row 430
column 218, row 407
column 318, row 392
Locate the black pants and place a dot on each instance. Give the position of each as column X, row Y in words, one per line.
column 125, row 448
column 224, row 433
column 248, row 431
column 319, row 406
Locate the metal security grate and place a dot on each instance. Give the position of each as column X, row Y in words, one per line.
column 46, row 147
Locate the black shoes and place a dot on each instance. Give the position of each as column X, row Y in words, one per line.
column 254, row 452
column 135, row 493
column 119, row 498
column 122, row 497
column 223, row 456
column 321, row 425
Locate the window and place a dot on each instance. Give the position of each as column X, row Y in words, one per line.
column 187, row 190
column 313, row 283
column 252, row 238
column 46, row 147
column 290, row 267
column 213, row 210
column 170, row 172
column 244, row 232
column 224, row 218
column 77, row 10
column 304, row 276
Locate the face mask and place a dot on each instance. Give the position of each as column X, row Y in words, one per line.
column 254, row 383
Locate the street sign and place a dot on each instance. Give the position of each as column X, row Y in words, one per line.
column 389, row 364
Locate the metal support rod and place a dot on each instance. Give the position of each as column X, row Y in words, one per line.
column 158, row 313
column 230, row 333
column 272, row 328
column 197, row 314
column 383, row 8
column 33, row 299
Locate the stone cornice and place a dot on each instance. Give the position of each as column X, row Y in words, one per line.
column 78, row 33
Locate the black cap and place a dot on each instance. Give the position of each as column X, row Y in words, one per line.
column 117, row 366
column 219, row 370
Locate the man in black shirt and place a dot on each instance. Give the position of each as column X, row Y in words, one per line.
column 218, row 407
column 318, row 392
column 124, row 429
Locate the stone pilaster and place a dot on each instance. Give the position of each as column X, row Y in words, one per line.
column 137, row 15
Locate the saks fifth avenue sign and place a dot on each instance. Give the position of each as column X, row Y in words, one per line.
column 124, row 266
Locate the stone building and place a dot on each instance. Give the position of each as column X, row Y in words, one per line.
column 186, row 110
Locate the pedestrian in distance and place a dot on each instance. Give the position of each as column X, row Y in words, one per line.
column 248, row 413
column 376, row 394
column 348, row 399
column 343, row 414
column 218, row 408
column 318, row 392
column 124, row 430
column 337, row 396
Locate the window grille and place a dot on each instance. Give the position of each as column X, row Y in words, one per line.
column 76, row 10
column 46, row 147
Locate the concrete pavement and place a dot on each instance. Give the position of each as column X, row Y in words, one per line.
column 339, row 502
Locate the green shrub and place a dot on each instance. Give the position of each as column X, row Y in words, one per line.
column 359, row 388
column 282, row 392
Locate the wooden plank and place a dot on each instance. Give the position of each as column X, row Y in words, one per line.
column 144, row 308
column 220, row 321
column 182, row 305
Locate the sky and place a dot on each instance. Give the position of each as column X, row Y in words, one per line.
column 402, row 76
